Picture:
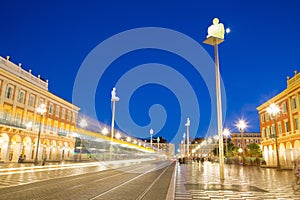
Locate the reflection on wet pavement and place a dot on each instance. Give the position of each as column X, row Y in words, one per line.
column 238, row 188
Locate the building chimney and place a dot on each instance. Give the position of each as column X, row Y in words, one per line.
column 295, row 72
column 20, row 64
column 7, row 57
column 30, row 71
column 39, row 76
column 288, row 77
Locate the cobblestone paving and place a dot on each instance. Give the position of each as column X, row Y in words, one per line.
column 201, row 181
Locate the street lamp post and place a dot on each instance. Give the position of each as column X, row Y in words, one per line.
column 214, row 38
column 184, row 154
column 114, row 99
column 188, row 123
column 151, row 133
column 40, row 110
column 182, row 149
column 158, row 143
column 214, row 141
column 274, row 110
column 83, row 124
column 226, row 133
column 241, row 126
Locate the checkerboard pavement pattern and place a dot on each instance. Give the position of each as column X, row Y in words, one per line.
column 201, row 181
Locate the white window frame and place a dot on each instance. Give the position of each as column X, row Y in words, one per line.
column 63, row 113
column 286, row 126
column 262, row 118
column 263, row 132
column 57, row 110
column 294, row 103
column 297, row 123
column 283, row 107
column 51, row 108
column 9, row 91
column 31, row 100
column 69, row 115
column 73, row 117
column 279, row 128
column 21, row 96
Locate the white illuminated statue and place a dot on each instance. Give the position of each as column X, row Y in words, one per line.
column 216, row 29
column 113, row 95
column 188, row 122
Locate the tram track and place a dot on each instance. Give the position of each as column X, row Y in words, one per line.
column 159, row 170
column 93, row 185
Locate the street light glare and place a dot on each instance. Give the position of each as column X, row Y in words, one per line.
column 41, row 109
column 273, row 109
column 105, row 131
column 226, row 132
column 241, row 124
column 83, row 123
column 118, row 135
column 228, row 30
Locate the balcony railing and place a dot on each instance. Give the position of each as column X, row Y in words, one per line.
column 12, row 123
column 63, row 134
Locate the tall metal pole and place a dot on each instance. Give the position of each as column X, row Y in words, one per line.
column 276, row 143
column 184, row 154
column 274, row 110
column 40, row 110
column 215, row 37
column 226, row 145
column 112, row 128
column 243, row 152
column 38, row 142
column 188, row 123
column 151, row 133
column 114, row 98
column 182, row 149
column 219, row 112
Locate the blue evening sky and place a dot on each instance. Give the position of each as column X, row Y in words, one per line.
column 53, row 38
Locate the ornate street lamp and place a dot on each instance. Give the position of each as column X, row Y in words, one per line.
column 83, row 124
column 114, row 99
column 188, row 123
column 40, row 110
column 184, row 151
column 274, row 110
column 241, row 125
column 151, row 133
column 226, row 133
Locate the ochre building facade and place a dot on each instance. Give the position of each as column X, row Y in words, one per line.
column 287, row 127
column 20, row 94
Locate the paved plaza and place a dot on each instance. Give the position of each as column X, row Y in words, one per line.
column 201, row 181
column 191, row 181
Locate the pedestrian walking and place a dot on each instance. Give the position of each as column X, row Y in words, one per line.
column 44, row 159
